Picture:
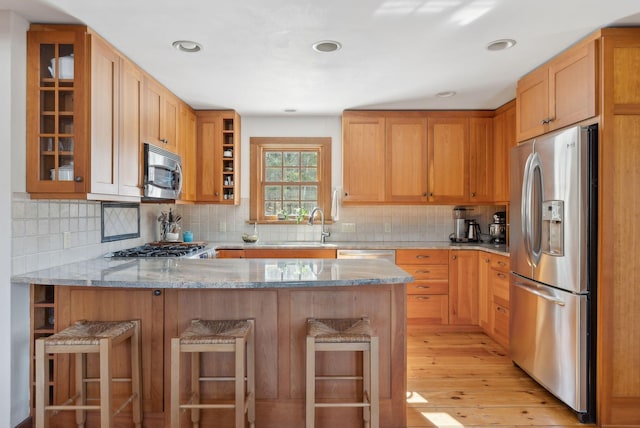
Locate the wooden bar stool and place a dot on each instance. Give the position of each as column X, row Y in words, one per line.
column 350, row 334
column 216, row 336
column 82, row 338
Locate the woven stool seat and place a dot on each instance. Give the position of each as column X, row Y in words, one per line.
column 340, row 330
column 89, row 332
column 215, row 332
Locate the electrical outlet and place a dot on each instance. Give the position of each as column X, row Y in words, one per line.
column 349, row 227
column 222, row 226
column 387, row 228
column 66, row 239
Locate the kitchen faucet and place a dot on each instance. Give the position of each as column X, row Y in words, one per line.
column 323, row 234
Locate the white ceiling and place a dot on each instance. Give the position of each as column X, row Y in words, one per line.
column 397, row 54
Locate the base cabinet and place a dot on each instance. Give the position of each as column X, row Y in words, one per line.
column 494, row 296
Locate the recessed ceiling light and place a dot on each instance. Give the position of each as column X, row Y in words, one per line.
column 326, row 46
column 500, row 45
column 187, row 46
column 445, row 94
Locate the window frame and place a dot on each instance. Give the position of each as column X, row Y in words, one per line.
column 258, row 145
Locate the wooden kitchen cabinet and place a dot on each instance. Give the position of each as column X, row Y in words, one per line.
column 463, row 287
column 558, row 93
column 448, row 159
column 187, row 148
column 363, row 158
column 493, row 285
column 218, row 153
column 504, row 138
column 83, row 119
column 481, row 156
column 428, row 295
column 406, row 159
column 160, row 116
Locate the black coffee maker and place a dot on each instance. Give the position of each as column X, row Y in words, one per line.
column 498, row 229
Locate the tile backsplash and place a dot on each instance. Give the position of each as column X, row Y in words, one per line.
column 52, row 232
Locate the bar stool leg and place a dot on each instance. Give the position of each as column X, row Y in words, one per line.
column 240, row 385
column 195, row 388
column 310, row 396
column 136, row 375
column 366, row 387
column 81, row 388
column 375, row 383
column 251, row 375
column 105, row 383
column 175, row 383
column 42, row 382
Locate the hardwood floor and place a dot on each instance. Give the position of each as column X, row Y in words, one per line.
column 467, row 380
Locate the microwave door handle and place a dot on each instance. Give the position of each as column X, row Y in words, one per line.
column 179, row 169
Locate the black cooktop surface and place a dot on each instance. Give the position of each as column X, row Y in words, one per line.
column 161, row 249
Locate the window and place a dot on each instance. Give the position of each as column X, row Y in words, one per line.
column 289, row 177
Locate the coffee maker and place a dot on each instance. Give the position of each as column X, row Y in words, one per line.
column 498, row 229
column 460, row 225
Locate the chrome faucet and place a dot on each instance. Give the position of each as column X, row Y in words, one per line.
column 323, row 233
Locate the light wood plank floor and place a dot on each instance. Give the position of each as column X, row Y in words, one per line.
column 467, row 380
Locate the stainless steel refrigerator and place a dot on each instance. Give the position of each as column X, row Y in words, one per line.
column 553, row 237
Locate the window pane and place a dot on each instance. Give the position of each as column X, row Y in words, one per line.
column 309, row 193
column 291, row 174
column 309, row 174
column 273, row 193
column 272, row 207
column 309, row 205
column 273, row 174
column 292, row 193
column 309, row 159
column 273, row 158
column 291, row 158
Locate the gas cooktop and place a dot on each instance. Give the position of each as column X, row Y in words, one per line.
column 192, row 250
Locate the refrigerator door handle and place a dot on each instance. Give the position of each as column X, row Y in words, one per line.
column 536, row 187
column 531, row 290
column 525, row 207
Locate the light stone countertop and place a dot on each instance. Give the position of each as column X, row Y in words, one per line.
column 218, row 273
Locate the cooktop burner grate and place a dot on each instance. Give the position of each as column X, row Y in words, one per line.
column 161, row 249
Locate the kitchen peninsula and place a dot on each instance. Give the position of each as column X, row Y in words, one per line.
column 165, row 294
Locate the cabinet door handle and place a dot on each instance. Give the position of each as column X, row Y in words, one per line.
column 487, row 260
column 424, row 194
column 157, row 292
column 346, row 193
column 431, row 194
column 78, row 179
column 454, row 257
column 473, row 194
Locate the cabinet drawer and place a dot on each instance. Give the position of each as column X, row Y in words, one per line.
column 498, row 262
column 500, row 288
column 428, row 287
column 501, row 324
column 422, row 257
column 428, row 309
column 428, row 271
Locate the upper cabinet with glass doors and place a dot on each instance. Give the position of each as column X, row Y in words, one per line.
column 55, row 82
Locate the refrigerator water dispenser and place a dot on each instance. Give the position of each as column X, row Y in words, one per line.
column 553, row 228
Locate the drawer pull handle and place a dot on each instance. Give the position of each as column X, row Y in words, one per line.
column 422, row 256
column 501, row 263
column 501, row 275
column 423, row 271
column 422, row 298
column 423, row 287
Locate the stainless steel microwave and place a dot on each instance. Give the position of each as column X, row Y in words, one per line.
column 162, row 173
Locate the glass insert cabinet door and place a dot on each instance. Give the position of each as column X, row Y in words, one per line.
column 54, row 105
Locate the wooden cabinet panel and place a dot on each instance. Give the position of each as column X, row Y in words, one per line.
column 559, row 93
column 484, row 295
column 493, row 283
column 130, row 149
column 448, row 159
column 229, row 254
column 188, row 153
column 427, row 287
column 463, row 287
column 481, row 157
column 500, row 324
column 432, row 309
column 406, row 159
column 504, row 138
column 160, row 116
column 363, row 159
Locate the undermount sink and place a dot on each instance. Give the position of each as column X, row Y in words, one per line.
column 295, row 244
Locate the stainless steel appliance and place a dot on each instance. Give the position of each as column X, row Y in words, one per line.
column 553, row 241
column 498, row 229
column 188, row 250
column 367, row 254
column 460, row 225
column 162, row 173
column 473, row 231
